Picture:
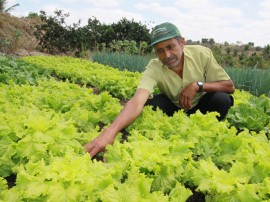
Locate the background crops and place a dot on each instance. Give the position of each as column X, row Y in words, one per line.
column 255, row 81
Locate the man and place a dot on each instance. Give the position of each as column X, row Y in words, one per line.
column 188, row 78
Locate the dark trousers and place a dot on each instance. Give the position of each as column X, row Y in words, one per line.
column 213, row 101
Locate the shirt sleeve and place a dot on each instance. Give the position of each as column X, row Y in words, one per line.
column 213, row 71
column 148, row 80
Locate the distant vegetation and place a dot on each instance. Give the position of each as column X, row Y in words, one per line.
column 132, row 37
column 124, row 45
column 54, row 36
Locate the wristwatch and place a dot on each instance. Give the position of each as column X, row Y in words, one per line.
column 200, row 84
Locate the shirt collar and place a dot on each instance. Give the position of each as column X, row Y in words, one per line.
column 187, row 53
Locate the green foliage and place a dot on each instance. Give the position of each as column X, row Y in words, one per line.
column 130, row 30
column 43, row 128
column 122, row 60
column 255, row 81
column 121, row 84
column 128, row 36
column 208, row 41
column 266, row 52
column 253, row 115
column 39, row 122
column 14, row 70
column 55, row 36
column 32, row 15
column 10, row 45
column 239, row 56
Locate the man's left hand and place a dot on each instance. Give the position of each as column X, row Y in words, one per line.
column 187, row 95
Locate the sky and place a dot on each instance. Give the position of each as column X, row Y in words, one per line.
column 232, row 21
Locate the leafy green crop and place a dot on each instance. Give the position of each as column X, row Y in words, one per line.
column 253, row 115
column 12, row 69
column 122, row 84
column 43, row 129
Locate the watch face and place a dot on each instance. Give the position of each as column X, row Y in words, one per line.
column 200, row 84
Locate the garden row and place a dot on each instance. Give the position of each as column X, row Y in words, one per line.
column 253, row 113
column 45, row 123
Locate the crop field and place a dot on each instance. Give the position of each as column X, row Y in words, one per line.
column 50, row 107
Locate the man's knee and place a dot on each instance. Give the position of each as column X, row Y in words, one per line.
column 221, row 102
column 162, row 102
column 216, row 101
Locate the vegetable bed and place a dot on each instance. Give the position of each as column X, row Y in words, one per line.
column 46, row 120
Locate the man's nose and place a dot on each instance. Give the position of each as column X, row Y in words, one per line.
column 167, row 53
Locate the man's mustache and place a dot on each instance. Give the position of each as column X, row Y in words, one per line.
column 170, row 58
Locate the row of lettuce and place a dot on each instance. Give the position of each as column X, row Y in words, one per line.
column 46, row 121
column 253, row 112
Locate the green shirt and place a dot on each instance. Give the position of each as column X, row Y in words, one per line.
column 199, row 65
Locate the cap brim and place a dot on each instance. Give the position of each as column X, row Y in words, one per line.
column 160, row 40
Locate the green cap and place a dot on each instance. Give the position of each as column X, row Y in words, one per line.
column 163, row 32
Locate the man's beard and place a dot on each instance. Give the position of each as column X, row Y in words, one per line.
column 171, row 65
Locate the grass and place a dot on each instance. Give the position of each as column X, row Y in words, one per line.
column 255, row 81
column 122, row 61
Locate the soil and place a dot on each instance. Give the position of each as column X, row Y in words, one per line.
column 11, row 180
column 196, row 197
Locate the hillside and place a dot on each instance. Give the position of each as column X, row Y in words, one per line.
column 16, row 34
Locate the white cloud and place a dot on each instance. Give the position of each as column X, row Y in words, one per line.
column 160, row 13
column 103, row 15
column 218, row 22
column 96, row 3
column 49, row 9
column 35, row 1
column 194, row 4
column 69, row 1
column 156, row 8
column 10, row 3
column 194, row 20
column 264, row 9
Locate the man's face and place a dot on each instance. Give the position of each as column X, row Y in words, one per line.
column 170, row 52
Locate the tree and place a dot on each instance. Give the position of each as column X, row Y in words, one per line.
column 6, row 10
column 266, row 52
column 211, row 41
column 98, row 32
column 228, row 50
column 130, row 30
column 246, row 47
column 204, row 41
column 53, row 34
column 251, row 43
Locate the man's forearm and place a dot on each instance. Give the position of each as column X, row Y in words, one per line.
column 222, row 86
column 130, row 112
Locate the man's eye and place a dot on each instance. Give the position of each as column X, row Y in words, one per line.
column 170, row 47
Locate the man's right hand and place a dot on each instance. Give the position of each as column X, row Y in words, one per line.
column 99, row 143
column 131, row 111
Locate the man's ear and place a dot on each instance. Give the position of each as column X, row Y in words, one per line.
column 182, row 41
